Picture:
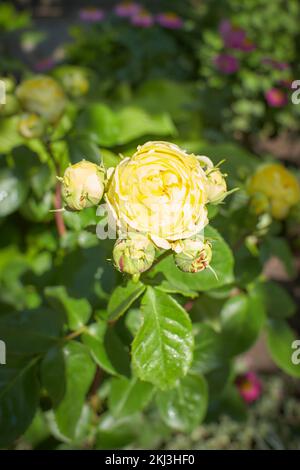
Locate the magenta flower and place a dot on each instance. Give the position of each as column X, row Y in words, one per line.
column 44, row 65
column 235, row 37
column 249, row 386
column 143, row 19
column 169, row 20
column 91, row 15
column 276, row 98
column 226, row 63
column 127, row 9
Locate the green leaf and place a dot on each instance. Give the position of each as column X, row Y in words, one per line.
column 278, row 247
column 280, row 338
column 128, row 396
column 80, row 371
column 162, row 350
column 77, row 311
column 9, row 134
column 135, row 123
column 83, row 147
column 31, row 331
column 278, row 302
column 107, row 349
column 110, row 128
column 13, row 192
column 115, row 433
column 123, row 297
column 53, row 374
column 101, row 122
column 242, row 318
column 184, row 407
column 109, row 158
column 19, row 393
column 208, row 352
column 222, row 264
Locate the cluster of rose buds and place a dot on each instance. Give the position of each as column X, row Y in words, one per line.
column 158, row 199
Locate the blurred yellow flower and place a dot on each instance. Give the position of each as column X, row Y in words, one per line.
column 276, row 184
column 44, row 96
column 160, row 191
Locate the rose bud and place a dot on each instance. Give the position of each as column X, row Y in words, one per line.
column 82, row 185
column 194, row 257
column 216, row 187
column 31, row 126
column 134, row 254
column 44, row 96
column 74, row 80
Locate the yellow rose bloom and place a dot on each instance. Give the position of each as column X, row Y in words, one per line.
column 278, row 185
column 44, row 96
column 160, row 191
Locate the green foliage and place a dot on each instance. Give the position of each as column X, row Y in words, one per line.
column 162, row 350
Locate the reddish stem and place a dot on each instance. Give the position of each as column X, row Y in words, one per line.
column 60, row 225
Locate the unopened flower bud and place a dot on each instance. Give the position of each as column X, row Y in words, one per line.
column 31, row 126
column 216, row 187
column 42, row 95
column 195, row 256
column 74, row 79
column 83, row 185
column 134, row 254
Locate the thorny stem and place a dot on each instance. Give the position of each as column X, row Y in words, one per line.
column 60, row 225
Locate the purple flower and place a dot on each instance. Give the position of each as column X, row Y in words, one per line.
column 127, row 9
column 275, row 64
column 235, row 37
column 143, row 19
column 249, row 386
column 169, row 20
column 276, row 98
column 226, row 63
column 44, row 65
column 91, row 15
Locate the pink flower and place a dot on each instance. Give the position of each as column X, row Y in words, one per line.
column 44, row 65
column 127, row 9
column 226, row 63
column 235, row 37
column 276, row 98
column 143, row 19
column 169, row 20
column 249, row 386
column 91, row 15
